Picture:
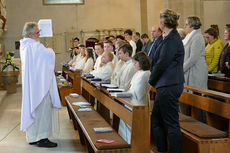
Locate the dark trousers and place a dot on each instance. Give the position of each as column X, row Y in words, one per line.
column 165, row 119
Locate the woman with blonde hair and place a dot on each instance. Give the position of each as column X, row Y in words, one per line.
column 167, row 77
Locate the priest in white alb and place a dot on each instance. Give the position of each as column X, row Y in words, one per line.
column 40, row 99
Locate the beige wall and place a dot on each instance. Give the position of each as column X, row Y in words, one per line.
column 154, row 7
column 21, row 11
column 107, row 14
column 219, row 16
column 185, row 9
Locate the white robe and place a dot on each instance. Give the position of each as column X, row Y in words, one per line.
column 45, row 124
column 38, row 77
column 140, row 92
column 116, row 71
column 79, row 63
column 126, row 74
column 104, row 72
column 134, row 46
column 98, row 62
column 75, row 58
column 88, row 66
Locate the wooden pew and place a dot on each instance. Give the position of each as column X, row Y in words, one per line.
column 221, row 84
column 86, row 121
column 199, row 137
column 74, row 77
column 137, row 119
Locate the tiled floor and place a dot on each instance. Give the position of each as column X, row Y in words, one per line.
column 12, row 140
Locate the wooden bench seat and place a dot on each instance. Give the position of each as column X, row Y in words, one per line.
column 87, row 120
column 197, row 136
column 64, row 90
column 221, row 84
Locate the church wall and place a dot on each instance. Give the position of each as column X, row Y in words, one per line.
column 154, row 7
column 108, row 14
column 64, row 18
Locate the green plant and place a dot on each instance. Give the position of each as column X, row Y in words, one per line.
column 9, row 62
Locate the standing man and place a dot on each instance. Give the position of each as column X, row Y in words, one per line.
column 128, row 37
column 138, row 42
column 157, row 39
column 40, row 99
column 147, row 43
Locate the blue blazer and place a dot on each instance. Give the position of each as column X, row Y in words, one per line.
column 168, row 62
column 153, row 49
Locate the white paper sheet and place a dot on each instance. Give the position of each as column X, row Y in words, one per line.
column 45, row 25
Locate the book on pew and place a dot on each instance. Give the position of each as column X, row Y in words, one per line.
column 115, row 90
column 106, row 85
column 95, row 79
column 88, row 75
column 105, row 141
column 81, row 104
column 122, row 94
column 75, row 95
column 103, row 129
column 217, row 74
column 84, row 109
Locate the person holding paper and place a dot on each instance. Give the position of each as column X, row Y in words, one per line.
column 139, row 89
column 40, row 99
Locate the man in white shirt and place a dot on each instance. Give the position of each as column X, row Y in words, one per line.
column 127, row 70
column 40, row 99
column 128, row 36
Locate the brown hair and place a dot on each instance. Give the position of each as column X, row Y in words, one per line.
column 99, row 44
column 143, row 60
column 215, row 26
column 127, row 48
column 108, row 42
column 212, row 32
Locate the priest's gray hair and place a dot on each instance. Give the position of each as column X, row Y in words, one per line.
column 28, row 28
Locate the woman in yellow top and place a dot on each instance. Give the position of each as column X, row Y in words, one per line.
column 213, row 50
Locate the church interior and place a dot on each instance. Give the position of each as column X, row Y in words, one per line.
column 94, row 19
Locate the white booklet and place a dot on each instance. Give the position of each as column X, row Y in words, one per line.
column 115, row 90
column 122, row 94
column 45, row 25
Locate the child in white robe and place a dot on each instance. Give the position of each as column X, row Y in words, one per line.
column 99, row 52
column 127, row 70
column 139, row 89
column 89, row 61
column 76, row 55
column 80, row 62
column 119, row 64
column 108, row 47
column 105, row 69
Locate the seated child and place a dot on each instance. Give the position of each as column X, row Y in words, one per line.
column 89, row 61
column 80, row 62
column 99, row 52
column 139, row 89
column 105, row 69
